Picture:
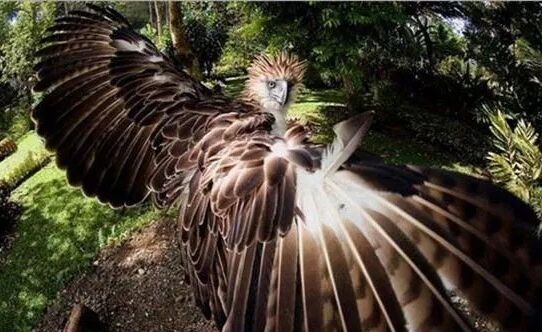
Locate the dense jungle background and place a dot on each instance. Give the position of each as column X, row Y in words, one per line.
column 454, row 85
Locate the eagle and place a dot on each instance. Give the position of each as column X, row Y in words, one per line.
column 280, row 234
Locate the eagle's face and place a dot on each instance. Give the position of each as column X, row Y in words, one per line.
column 274, row 93
column 273, row 81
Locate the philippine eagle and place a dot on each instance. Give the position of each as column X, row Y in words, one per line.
column 279, row 234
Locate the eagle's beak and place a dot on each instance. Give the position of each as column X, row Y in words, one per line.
column 287, row 93
column 282, row 92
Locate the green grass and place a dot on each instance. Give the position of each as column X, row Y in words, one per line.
column 58, row 235
column 234, row 85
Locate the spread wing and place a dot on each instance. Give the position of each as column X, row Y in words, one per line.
column 111, row 94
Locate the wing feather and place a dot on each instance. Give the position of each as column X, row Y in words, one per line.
column 109, row 89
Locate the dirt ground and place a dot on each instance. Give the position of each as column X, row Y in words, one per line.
column 138, row 286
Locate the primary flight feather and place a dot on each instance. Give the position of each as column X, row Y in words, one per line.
column 280, row 234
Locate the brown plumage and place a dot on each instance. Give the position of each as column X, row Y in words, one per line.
column 280, row 235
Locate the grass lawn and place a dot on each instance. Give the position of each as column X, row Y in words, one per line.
column 61, row 231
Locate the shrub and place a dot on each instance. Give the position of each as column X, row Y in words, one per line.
column 7, row 147
column 517, row 160
column 452, row 136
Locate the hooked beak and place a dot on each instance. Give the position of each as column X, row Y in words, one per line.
column 283, row 92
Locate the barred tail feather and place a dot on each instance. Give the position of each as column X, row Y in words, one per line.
column 407, row 248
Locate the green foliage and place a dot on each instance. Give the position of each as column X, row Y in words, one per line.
column 517, row 160
column 22, row 25
column 27, row 24
column 246, row 38
column 161, row 41
column 207, row 25
column 505, row 39
column 30, row 164
column 389, row 57
column 17, row 121
column 9, row 213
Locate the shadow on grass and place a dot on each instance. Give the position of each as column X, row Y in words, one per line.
column 314, row 96
column 58, row 234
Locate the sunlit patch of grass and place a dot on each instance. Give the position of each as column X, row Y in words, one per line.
column 58, row 235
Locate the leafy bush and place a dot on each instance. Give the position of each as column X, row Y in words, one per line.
column 444, row 133
column 7, row 147
column 15, row 120
column 28, row 23
column 231, row 65
column 517, row 160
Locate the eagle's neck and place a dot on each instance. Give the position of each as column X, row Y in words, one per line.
column 279, row 113
column 280, row 126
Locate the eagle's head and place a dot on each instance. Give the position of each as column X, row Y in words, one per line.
column 273, row 82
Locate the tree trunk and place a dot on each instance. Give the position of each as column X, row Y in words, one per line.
column 151, row 14
column 158, row 19
column 180, row 41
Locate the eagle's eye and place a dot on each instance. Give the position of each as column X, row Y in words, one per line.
column 271, row 84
